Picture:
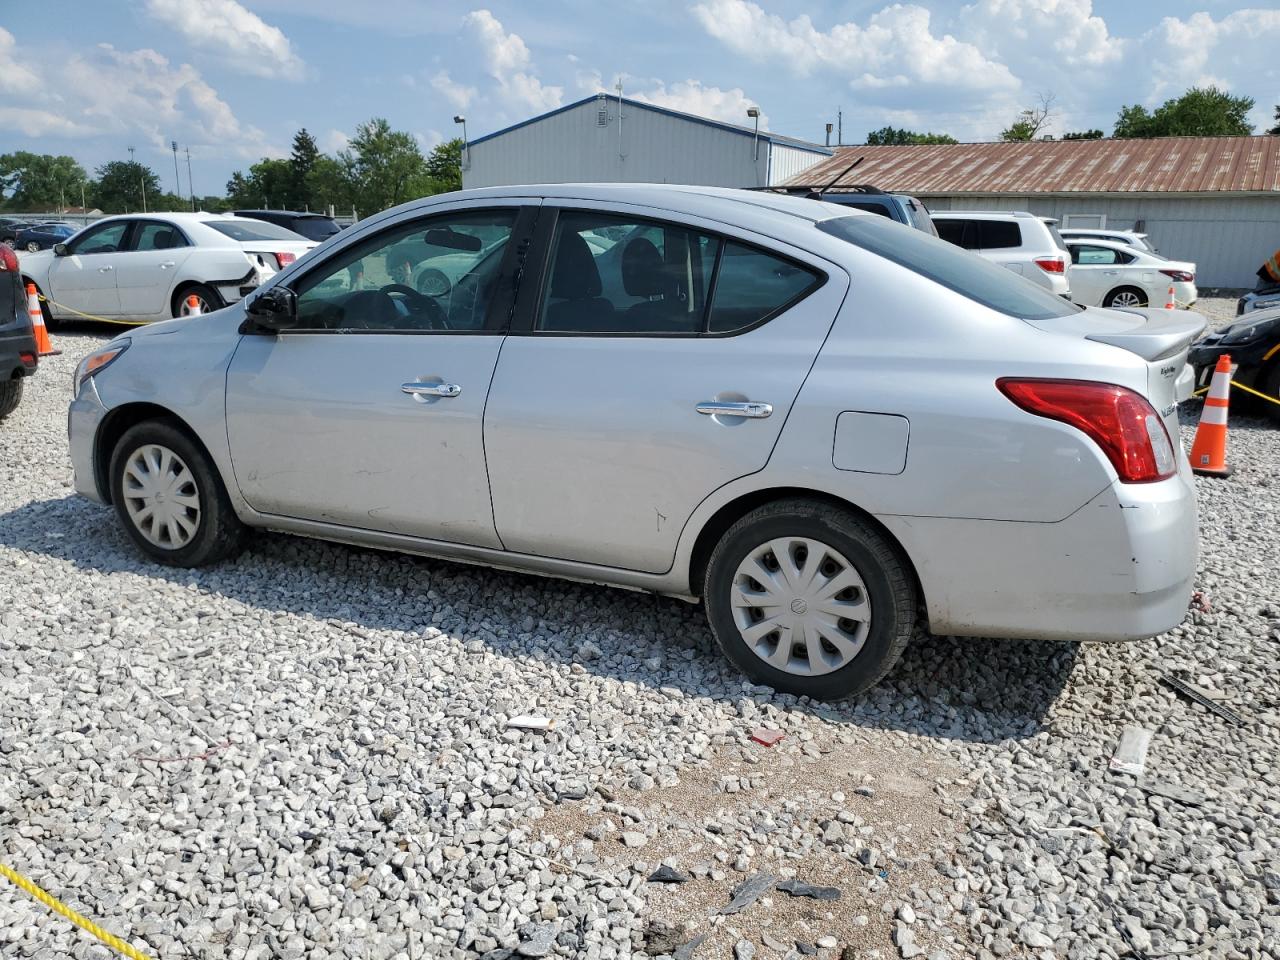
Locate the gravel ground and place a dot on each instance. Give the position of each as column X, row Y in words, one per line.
column 304, row 754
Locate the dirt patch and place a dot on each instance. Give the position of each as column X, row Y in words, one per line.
column 870, row 822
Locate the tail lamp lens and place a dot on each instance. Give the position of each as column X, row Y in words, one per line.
column 1121, row 422
column 284, row 259
column 1052, row 264
column 1180, row 276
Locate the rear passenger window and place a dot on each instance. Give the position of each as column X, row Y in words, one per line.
column 753, row 285
column 959, row 232
column 998, row 234
column 879, row 208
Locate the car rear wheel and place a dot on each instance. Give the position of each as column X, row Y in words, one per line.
column 33, row 247
column 809, row 599
column 169, row 497
column 10, row 396
column 206, row 297
column 1125, row 297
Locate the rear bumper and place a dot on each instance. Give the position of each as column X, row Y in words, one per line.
column 84, row 417
column 1120, row 568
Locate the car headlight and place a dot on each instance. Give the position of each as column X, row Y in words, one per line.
column 97, row 361
column 1245, row 332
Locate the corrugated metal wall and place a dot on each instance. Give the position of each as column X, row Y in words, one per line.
column 787, row 161
column 574, row 147
column 1226, row 237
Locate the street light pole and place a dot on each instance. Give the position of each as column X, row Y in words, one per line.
column 177, row 183
column 190, row 185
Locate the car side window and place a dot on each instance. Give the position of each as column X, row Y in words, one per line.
column 1094, row 256
column 869, row 207
column 963, row 233
column 158, row 236
column 107, row 238
column 998, row 234
column 432, row 274
column 753, row 285
column 611, row 274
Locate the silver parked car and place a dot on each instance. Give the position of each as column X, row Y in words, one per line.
column 824, row 424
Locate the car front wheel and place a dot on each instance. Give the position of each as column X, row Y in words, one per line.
column 169, row 497
column 809, row 599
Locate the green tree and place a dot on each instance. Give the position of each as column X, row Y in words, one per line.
column 120, row 188
column 444, row 165
column 1031, row 122
column 895, row 136
column 1275, row 131
column 386, row 165
column 331, row 184
column 1084, row 135
column 269, row 184
column 1200, row 112
column 40, row 181
column 302, row 161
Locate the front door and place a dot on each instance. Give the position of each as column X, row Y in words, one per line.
column 84, row 281
column 658, row 363
column 369, row 413
column 146, row 271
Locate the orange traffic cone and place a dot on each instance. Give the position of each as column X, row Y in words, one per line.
column 1209, row 451
column 44, row 346
column 1171, row 301
column 193, row 306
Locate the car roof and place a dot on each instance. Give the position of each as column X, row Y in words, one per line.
column 1101, row 230
column 294, row 214
column 989, row 215
column 1099, row 242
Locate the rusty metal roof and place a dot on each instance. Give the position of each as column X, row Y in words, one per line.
column 1164, row 165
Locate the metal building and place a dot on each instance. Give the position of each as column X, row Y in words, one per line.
column 1212, row 200
column 611, row 139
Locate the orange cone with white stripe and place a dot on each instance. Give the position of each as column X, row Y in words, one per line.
column 44, row 346
column 1171, row 301
column 193, row 306
column 1209, row 451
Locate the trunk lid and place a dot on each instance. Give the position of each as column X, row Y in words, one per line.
column 1161, row 338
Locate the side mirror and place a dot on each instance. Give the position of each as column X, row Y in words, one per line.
column 60, row 250
column 271, row 311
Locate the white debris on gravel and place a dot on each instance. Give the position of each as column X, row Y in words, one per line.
column 305, row 753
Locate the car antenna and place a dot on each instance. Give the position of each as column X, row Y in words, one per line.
column 817, row 194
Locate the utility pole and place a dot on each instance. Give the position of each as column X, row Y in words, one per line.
column 142, row 182
column 840, row 127
column 190, row 185
column 177, row 183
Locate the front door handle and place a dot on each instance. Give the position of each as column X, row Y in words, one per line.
column 106, row 269
column 431, row 389
column 166, row 265
column 750, row 409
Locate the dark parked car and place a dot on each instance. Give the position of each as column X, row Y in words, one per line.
column 42, row 236
column 895, row 206
column 1253, row 343
column 17, row 340
column 313, row 226
column 9, row 229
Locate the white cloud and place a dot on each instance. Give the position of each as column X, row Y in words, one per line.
column 14, row 77
column 1043, row 33
column 231, row 33
column 41, row 123
column 457, row 94
column 1200, row 51
column 508, row 61
column 896, row 48
column 334, row 141
column 690, row 96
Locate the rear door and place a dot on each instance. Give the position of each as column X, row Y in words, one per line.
column 655, row 362
column 84, row 281
column 146, row 271
column 1094, row 273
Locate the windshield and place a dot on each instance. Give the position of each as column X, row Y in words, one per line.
column 242, row 229
column 316, row 228
column 966, row 273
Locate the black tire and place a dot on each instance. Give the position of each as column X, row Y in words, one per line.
column 1110, row 298
column 889, row 584
column 205, row 293
column 219, row 534
column 10, row 396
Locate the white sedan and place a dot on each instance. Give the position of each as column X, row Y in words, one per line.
column 144, row 267
column 1105, row 274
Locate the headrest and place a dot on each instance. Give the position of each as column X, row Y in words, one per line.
column 575, row 275
column 642, row 269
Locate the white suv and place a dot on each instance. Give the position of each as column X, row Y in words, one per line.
column 1020, row 241
column 1130, row 238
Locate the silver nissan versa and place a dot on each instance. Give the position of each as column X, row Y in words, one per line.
column 824, row 424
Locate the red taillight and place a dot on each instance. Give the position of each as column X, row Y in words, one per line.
column 284, row 259
column 8, row 259
column 1121, row 422
column 1181, row 276
column 1052, row 264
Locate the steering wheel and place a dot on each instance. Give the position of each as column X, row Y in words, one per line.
column 435, row 316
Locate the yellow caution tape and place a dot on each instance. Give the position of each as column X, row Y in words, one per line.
column 57, row 906
column 1270, row 399
column 90, row 316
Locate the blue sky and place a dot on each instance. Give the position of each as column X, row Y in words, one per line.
column 233, row 79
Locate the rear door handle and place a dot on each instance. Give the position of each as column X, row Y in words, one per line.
column 106, row 269
column 431, row 389
column 749, row 409
column 166, row 265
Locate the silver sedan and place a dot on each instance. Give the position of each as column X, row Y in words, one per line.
column 824, row 425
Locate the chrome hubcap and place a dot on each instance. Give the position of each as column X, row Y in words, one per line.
column 161, row 496
column 1126, row 299
column 800, row 606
